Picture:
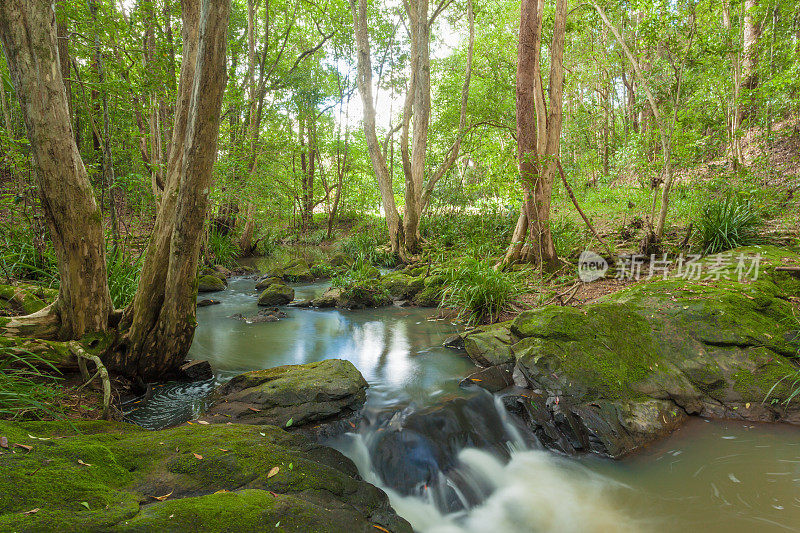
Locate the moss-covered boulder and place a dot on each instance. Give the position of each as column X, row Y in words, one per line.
column 402, row 286
column 300, row 271
column 210, row 283
column 431, row 294
column 276, row 294
column 266, row 281
column 328, row 298
column 712, row 347
column 104, row 476
column 490, row 345
column 292, row 394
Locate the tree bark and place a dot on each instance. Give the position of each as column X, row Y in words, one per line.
column 161, row 319
column 538, row 134
column 28, row 33
column 377, row 157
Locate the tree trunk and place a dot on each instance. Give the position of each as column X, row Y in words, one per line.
column 161, row 319
column 538, row 133
column 28, row 33
column 377, row 157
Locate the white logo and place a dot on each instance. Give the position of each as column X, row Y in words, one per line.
column 591, row 266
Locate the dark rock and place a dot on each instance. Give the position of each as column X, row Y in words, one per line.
column 263, row 315
column 303, row 394
column 196, row 371
column 626, row 370
column 455, row 342
column 206, row 302
column 328, row 298
column 301, row 303
column 276, row 294
column 493, row 378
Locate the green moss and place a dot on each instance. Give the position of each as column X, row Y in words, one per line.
column 117, row 470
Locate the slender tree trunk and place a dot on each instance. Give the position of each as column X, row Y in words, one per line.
column 750, row 42
column 161, row 319
column 28, row 33
column 377, row 157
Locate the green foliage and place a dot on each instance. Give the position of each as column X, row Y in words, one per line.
column 123, row 276
column 360, row 279
column 221, row 249
column 21, row 259
column 366, row 244
column 568, row 237
column 27, row 391
column 729, row 223
column 484, row 233
column 479, row 291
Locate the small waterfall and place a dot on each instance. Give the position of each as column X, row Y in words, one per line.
column 501, row 483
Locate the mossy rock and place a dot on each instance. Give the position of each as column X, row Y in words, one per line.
column 99, row 476
column 431, row 294
column 402, row 286
column 307, row 393
column 276, row 294
column 210, row 283
column 490, row 345
column 300, row 271
column 266, row 281
column 328, row 298
column 339, row 259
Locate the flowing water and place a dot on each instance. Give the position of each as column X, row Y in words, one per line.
column 451, row 459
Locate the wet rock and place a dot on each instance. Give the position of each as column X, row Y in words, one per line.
column 222, row 271
column 627, row 369
column 205, row 302
column 302, row 394
column 212, row 478
column 196, row 371
column 263, row 315
column 493, row 378
column 301, row 303
column 210, row 283
column 276, row 294
column 455, row 342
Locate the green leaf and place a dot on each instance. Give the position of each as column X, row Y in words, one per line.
column 290, row 422
column 85, row 504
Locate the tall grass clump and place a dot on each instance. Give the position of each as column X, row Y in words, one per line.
column 480, row 292
column 568, row 237
column 366, row 243
column 222, row 248
column 728, row 223
column 123, row 275
column 27, row 388
column 20, row 259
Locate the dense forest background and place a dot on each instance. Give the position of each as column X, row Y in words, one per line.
column 711, row 95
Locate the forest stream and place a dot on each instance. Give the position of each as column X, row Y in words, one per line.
column 461, row 464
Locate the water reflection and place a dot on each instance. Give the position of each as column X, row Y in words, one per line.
column 390, row 346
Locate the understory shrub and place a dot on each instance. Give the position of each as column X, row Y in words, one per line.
column 123, row 275
column 480, row 292
column 222, row 249
column 729, row 223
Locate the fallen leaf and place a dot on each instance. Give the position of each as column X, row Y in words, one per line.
column 476, row 379
column 262, row 434
column 23, row 446
column 291, row 466
column 747, row 406
column 223, row 450
column 85, row 504
column 273, row 494
column 274, row 470
column 254, row 409
column 352, row 425
column 290, row 422
column 38, row 438
column 32, row 511
column 164, row 497
column 221, row 491
column 4, row 442
column 203, row 422
column 381, row 528
column 82, row 463
column 197, row 455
